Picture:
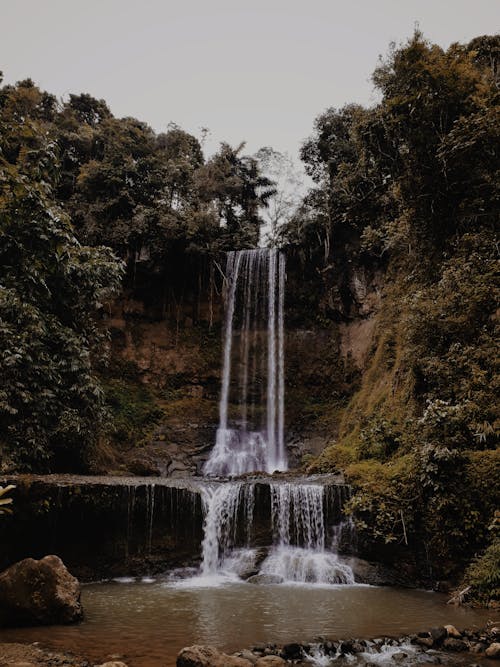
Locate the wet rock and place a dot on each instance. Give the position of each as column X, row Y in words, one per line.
column 493, row 651
column 291, row 651
column 478, row 647
column 265, row 579
column 144, row 467
column 39, row 592
column 451, row 644
column 208, row 656
column 451, row 631
column 399, row 656
column 438, row 634
column 426, row 642
column 248, row 655
column 270, row 661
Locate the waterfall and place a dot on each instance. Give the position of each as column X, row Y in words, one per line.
column 299, row 555
column 250, row 436
column 228, row 513
column 298, row 551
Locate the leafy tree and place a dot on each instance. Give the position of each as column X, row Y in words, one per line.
column 51, row 403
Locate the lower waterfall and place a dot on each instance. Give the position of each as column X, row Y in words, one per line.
column 298, row 547
column 299, row 553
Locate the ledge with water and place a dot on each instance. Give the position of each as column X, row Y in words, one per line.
column 120, row 526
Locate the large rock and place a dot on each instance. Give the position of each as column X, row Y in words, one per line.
column 39, row 592
column 270, row 661
column 493, row 651
column 208, row 656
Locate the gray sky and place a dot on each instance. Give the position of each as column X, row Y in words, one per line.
column 258, row 71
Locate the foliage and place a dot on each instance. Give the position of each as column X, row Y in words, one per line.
column 133, row 410
column 483, row 574
column 5, row 501
column 150, row 197
column 51, row 403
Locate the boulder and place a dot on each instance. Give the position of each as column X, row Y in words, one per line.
column 39, row 592
column 292, row 651
column 270, row 661
column 208, row 656
column 451, row 644
column 438, row 633
column 493, row 651
column 248, row 655
column 451, row 631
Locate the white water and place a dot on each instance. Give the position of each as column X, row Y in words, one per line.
column 250, row 436
column 298, row 553
column 228, row 513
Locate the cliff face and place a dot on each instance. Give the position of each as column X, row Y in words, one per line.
column 163, row 381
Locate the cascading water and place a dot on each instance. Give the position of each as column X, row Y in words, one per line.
column 298, row 534
column 228, row 512
column 250, row 436
column 299, row 553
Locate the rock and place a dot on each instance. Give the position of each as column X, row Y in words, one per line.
column 291, row 652
column 208, row 656
column 270, row 661
column 113, row 663
column 451, row 631
column 346, row 647
column 451, row 644
column 493, row 651
column 428, row 642
column 399, row 656
column 39, row 592
column 376, row 574
column 265, row 579
column 248, row 655
column 478, row 647
column 21, row 664
column 439, row 634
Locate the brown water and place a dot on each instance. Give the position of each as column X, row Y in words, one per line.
column 148, row 623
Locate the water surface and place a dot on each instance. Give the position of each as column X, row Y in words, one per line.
column 148, row 623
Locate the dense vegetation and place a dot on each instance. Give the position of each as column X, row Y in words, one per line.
column 410, row 188
column 407, row 190
column 85, row 198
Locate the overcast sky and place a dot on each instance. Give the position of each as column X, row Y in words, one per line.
column 258, row 71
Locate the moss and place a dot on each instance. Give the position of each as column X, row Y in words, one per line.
column 133, row 409
column 483, row 576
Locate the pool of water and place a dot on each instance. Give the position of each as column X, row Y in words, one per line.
column 148, row 622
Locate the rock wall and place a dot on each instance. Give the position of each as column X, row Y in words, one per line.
column 178, row 360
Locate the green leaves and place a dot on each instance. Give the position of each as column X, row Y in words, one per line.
column 51, row 407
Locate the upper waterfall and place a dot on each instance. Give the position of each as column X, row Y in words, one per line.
column 250, row 436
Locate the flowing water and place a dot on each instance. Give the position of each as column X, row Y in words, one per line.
column 148, row 624
column 250, row 436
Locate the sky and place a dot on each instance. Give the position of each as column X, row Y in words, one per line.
column 248, row 70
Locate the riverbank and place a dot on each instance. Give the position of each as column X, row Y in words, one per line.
column 31, row 655
column 440, row 645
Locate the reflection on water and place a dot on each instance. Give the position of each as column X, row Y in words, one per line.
column 148, row 623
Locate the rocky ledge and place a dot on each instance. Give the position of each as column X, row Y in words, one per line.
column 439, row 645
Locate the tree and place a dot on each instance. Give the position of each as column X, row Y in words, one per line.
column 51, row 403
column 289, row 190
